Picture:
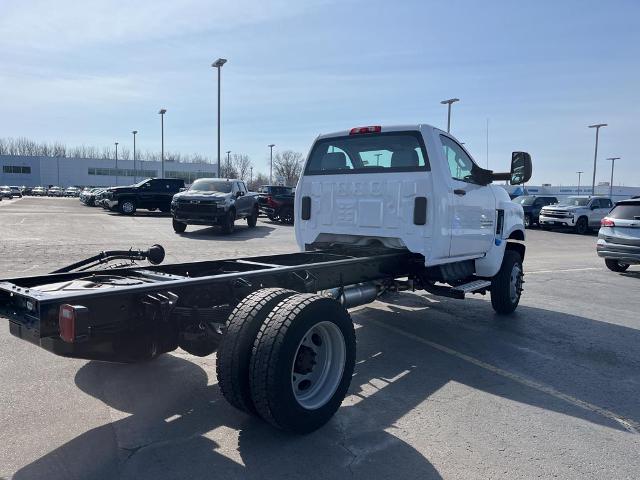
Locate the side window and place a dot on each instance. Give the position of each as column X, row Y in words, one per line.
column 460, row 164
column 242, row 187
column 595, row 203
column 605, row 203
column 539, row 202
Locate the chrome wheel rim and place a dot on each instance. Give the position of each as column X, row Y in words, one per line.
column 127, row 207
column 515, row 283
column 318, row 365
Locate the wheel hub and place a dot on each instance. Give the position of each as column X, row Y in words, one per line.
column 305, row 360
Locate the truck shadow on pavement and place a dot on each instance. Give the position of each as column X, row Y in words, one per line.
column 241, row 232
column 169, row 419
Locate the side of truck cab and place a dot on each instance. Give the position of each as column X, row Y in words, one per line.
column 411, row 187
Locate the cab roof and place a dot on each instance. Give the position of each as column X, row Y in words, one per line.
column 416, row 127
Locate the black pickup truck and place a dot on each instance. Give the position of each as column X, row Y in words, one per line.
column 276, row 202
column 214, row 201
column 151, row 194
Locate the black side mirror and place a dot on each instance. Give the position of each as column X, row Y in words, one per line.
column 239, row 194
column 520, row 168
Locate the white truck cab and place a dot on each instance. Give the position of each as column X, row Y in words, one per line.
column 414, row 187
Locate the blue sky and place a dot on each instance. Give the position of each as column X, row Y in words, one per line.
column 90, row 72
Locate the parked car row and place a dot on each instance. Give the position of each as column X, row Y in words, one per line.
column 7, row 191
column 53, row 191
column 276, row 202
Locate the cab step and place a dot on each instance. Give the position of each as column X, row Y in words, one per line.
column 472, row 287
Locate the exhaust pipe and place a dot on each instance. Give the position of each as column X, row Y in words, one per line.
column 354, row 295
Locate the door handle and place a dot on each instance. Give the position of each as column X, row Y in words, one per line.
column 460, row 191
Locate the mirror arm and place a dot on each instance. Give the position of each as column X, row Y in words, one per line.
column 501, row 176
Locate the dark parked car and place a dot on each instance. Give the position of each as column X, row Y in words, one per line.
column 214, row 201
column 532, row 204
column 276, row 202
column 619, row 236
column 150, row 194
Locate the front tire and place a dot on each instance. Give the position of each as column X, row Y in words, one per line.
column 229, row 222
column 179, row 227
column 127, row 207
column 286, row 215
column 234, row 353
column 615, row 265
column 506, row 285
column 302, row 362
column 582, row 226
column 527, row 221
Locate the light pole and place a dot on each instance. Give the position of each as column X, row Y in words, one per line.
column 448, row 103
column 135, row 170
column 250, row 175
column 597, row 126
column 161, row 113
column 228, row 152
column 58, row 168
column 116, row 163
column 613, row 162
column 579, row 175
column 378, row 155
column 271, row 145
column 218, row 64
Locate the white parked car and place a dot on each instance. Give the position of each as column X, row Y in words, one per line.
column 580, row 213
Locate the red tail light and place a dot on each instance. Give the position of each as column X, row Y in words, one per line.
column 607, row 222
column 271, row 202
column 372, row 129
column 72, row 321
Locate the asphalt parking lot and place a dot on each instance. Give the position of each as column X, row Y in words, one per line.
column 442, row 389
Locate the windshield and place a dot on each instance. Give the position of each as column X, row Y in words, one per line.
column 368, row 153
column 524, row 200
column 576, row 201
column 206, row 185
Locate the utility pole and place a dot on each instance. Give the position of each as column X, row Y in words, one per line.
column 613, row 162
column 250, row 175
column 161, row 113
column 579, row 175
column 271, row 145
column 218, row 64
column 228, row 152
column 595, row 155
column 448, row 103
column 116, row 163
column 378, row 155
column 135, row 170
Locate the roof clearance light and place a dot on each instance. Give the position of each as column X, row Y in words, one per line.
column 371, row 129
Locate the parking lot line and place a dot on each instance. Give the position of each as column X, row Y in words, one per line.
column 629, row 425
column 563, row 270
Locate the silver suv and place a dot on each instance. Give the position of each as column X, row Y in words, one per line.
column 619, row 236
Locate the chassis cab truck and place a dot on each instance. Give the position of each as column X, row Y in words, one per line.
column 377, row 209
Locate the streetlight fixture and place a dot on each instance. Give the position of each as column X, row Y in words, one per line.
column 579, row 175
column 597, row 126
column 613, row 162
column 271, row 145
column 116, row 163
column 218, row 64
column 228, row 152
column 161, row 113
column 448, row 103
column 135, row 170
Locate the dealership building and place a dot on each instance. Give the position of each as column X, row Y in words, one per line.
column 80, row 172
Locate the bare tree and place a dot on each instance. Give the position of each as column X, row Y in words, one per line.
column 227, row 170
column 259, row 179
column 241, row 163
column 287, row 166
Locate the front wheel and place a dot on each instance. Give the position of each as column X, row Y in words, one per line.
column 286, row 215
column 302, row 362
column 229, row 222
column 527, row 221
column 615, row 265
column 506, row 285
column 127, row 207
column 179, row 227
column 582, row 226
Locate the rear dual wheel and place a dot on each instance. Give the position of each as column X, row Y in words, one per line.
column 301, row 360
column 616, row 265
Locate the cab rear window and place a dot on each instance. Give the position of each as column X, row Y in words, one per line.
column 368, row 153
column 626, row 211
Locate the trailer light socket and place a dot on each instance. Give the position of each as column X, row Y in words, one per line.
column 73, row 321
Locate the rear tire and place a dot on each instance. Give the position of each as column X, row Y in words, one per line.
column 252, row 220
column 234, row 353
column 527, row 221
column 127, row 207
column 506, row 285
column 615, row 265
column 582, row 226
column 302, row 362
column 179, row 227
